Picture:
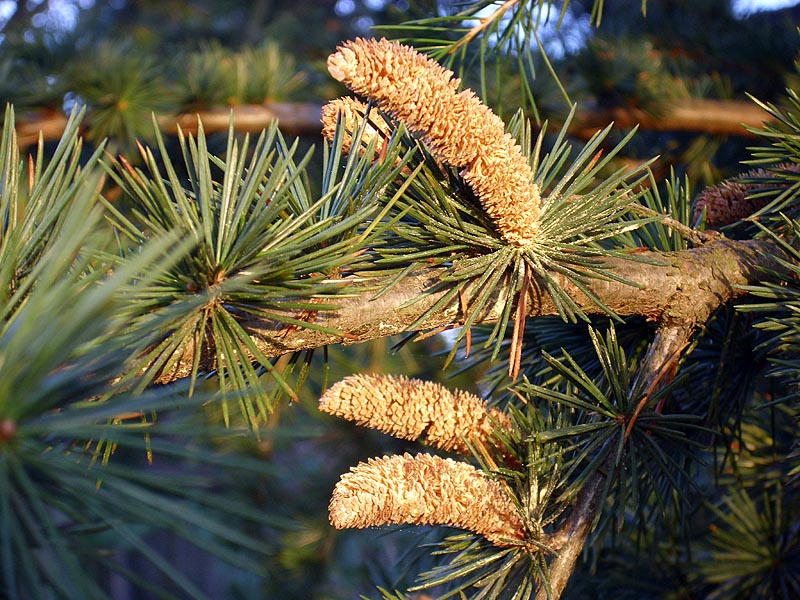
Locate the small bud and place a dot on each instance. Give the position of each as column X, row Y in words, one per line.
column 351, row 112
column 728, row 202
column 342, row 64
column 8, row 429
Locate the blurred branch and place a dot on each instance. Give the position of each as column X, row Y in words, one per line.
column 302, row 118
column 295, row 118
column 50, row 125
column 727, row 117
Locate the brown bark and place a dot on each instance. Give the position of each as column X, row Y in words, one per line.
column 49, row 125
column 295, row 118
column 684, row 288
column 573, row 534
column 693, row 115
column 726, row 117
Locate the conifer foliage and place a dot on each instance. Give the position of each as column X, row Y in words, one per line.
column 621, row 361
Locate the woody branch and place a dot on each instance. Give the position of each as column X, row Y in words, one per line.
column 683, row 286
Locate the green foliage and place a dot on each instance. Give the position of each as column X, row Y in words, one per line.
column 616, row 425
column 24, row 85
column 102, row 297
column 122, row 87
column 778, row 221
column 626, row 73
column 264, row 246
column 781, row 158
column 582, row 207
column 779, row 312
column 658, row 234
column 753, row 552
column 44, row 207
column 71, row 487
column 481, row 36
column 550, row 335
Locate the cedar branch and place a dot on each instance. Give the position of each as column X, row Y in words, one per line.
column 671, row 337
column 684, row 288
column 723, row 117
column 697, row 115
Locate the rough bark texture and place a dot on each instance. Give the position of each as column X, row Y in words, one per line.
column 684, row 288
column 573, row 534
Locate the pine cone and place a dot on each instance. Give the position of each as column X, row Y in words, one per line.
column 352, row 112
column 728, row 201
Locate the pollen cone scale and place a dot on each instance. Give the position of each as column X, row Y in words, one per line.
column 456, row 126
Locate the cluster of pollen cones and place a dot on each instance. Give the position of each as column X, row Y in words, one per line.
column 462, row 132
column 422, row 489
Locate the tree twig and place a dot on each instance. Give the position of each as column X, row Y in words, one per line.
column 723, row 117
column 482, row 25
column 695, row 237
column 671, row 338
column 572, row 537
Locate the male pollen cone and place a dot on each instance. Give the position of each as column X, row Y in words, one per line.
column 457, row 127
column 425, row 490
